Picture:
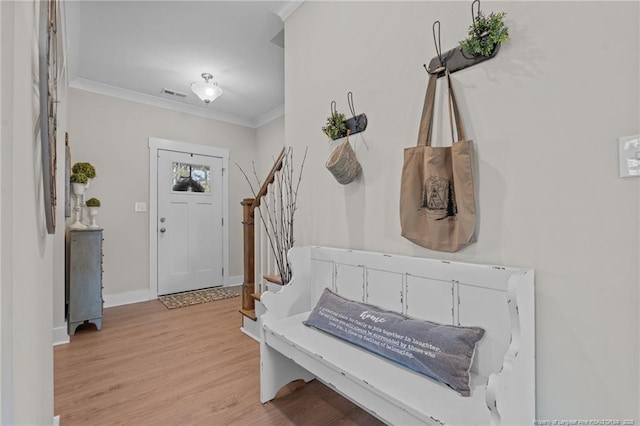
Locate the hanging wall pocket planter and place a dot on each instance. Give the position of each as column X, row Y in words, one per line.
column 486, row 33
column 343, row 163
column 338, row 124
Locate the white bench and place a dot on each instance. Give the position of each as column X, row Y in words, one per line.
column 498, row 299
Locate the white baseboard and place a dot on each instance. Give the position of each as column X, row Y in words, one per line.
column 60, row 335
column 251, row 328
column 126, row 298
column 245, row 331
column 56, row 421
column 234, row 280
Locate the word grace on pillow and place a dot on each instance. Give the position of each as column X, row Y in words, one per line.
column 441, row 352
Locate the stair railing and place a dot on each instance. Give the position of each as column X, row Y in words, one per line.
column 256, row 241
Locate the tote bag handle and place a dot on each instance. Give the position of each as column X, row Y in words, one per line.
column 426, row 122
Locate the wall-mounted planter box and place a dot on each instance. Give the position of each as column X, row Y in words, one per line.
column 456, row 60
column 356, row 124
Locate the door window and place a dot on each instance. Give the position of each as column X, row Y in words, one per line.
column 191, row 177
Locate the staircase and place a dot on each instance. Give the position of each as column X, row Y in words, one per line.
column 260, row 270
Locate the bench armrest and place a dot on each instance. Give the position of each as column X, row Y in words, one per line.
column 294, row 297
column 506, row 389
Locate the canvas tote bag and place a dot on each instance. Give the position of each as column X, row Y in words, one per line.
column 437, row 201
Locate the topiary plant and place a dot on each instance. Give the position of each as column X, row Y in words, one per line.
column 78, row 177
column 86, row 168
column 336, row 126
column 93, row 202
column 485, row 34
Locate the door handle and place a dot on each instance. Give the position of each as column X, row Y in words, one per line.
column 163, row 230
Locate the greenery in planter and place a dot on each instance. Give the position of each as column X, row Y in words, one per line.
column 78, row 177
column 336, row 125
column 86, row 168
column 93, row 202
column 485, row 34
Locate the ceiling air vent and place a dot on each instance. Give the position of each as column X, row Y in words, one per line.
column 173, row 93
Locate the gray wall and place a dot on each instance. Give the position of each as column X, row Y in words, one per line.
column 545, row 118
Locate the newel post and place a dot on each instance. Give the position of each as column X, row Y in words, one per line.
column 248, row 286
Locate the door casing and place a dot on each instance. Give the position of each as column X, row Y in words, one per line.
column 156, row 144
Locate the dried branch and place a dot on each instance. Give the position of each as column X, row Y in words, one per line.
column 277, row 210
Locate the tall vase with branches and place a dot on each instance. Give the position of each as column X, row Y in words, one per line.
column 277, row 215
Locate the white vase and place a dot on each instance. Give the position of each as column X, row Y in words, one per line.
column 93, row 213
column 78, row 192
column 78, row 189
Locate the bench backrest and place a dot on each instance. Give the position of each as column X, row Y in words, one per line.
column 435, row 290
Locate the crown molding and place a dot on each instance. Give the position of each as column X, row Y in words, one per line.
column 286, row 8
column 130, row 95
column 269, row 116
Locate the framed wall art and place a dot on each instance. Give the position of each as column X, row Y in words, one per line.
column 67, row 176
column 48, row 76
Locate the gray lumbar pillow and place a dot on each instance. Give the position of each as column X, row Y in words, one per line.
column 441, row 352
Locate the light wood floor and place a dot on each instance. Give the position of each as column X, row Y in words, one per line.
column 187, row 366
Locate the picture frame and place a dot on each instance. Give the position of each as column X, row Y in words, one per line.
column 67, row 176
column 48, row 81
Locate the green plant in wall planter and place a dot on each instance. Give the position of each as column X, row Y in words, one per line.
column 336, row 126
column 485, row 34
column 93, row 202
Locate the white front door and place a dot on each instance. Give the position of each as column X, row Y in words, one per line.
column 189, row 222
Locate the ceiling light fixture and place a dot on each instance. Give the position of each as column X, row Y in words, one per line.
column 207, row 91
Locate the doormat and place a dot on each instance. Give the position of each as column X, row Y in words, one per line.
column 180, row 300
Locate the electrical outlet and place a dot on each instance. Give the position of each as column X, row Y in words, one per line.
column 140, row 207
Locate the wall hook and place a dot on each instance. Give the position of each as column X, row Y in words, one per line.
column 439, row 66
column 437, row 43
column 455, row 59
column 350, row 103
column 357, row 123
column 475, row 15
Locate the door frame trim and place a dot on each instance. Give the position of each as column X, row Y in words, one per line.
column 156, row 144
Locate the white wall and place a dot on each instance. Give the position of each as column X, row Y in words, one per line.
column 545, row 117
column 26, row 260
column 269, row 142
column 112, row 134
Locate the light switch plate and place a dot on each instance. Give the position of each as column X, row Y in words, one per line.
column 629, row 151
column 140, row 207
